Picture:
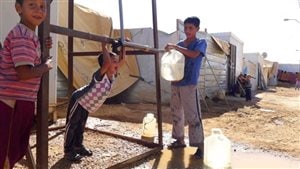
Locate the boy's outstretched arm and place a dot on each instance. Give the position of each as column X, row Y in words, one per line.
column 185, row 51
column 106, row 59
column 122, row 56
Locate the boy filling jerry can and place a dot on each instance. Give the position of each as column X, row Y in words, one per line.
column 217, row 150
column 149, row 125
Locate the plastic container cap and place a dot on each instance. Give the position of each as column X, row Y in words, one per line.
column 172, row 65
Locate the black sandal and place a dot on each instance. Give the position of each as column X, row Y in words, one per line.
column 176, row 144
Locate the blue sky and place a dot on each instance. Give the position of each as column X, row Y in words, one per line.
column 258, row 23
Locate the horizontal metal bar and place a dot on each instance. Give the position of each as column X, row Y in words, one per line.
column 80, row 34
column 88, row 36
column 138, row 141
column 92, row 53
column 142, row 47
column 139, row 52
column 125, row 163
column 33, row 131
column 129, row 52
column 50, row 138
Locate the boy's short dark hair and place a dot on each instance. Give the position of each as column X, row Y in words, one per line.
column 192, row 20
column 101, row 60
column 20, row 1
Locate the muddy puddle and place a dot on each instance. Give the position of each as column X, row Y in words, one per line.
column 242, row 157
column 246, row 157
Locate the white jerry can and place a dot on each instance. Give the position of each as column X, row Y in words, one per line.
column 149, row 125
column 217, row 150
column 172, row 65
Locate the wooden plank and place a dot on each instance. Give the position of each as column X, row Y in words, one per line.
column 125, row 163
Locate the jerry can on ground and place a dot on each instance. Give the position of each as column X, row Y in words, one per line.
column 172, row 65
column 149, row 125
column 217, row 150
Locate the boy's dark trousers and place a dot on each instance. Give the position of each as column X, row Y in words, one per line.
column 75, row 124
column 15, row 127
column 248, row 93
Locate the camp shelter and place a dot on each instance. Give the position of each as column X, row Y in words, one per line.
column 212, row 79
column 88, row 20
column 270, row 71
column 255, row 63
column 237, row 47
column 288, row 72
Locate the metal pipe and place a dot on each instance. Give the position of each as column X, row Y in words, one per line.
column 80, row 34
column 128, row 52
column 287, row 19
column 143, row 47
column 157, row 72
column 70, row 48
column 131, row 139
column 43, row 99
column 121, row 21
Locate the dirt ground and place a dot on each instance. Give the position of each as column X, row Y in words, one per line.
column 270, row 122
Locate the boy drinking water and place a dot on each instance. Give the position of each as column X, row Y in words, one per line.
column 88, row 99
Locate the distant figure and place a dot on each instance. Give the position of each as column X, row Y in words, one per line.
column 297, row 85
column 248, row 86
column 184, row 101
column 239, row 86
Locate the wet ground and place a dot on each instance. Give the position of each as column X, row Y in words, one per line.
column 183, row 159
column 264, row 132
column 109, row 151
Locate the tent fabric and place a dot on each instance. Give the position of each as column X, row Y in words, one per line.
column 84, row 67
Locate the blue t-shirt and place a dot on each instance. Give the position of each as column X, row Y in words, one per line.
column 192, row 65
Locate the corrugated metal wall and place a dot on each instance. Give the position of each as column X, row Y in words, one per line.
column 213, row 69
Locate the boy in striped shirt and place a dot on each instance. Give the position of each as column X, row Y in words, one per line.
column 20, row 74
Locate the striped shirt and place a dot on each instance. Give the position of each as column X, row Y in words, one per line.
column 21, row 47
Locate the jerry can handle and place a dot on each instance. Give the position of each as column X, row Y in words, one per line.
column 216, row 131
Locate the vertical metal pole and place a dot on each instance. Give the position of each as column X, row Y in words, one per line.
column 43, row 99
column 157, row 72
column 121, row 20
column 70, row 48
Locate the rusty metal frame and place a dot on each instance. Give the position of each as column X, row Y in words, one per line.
column 43, row 97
